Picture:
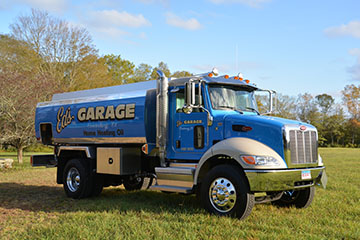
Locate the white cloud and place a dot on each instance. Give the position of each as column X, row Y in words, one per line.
column 355, row 69
column 57, row 6
column 250, row 3
column 350, row 29
column 52, row 6
column 188, row 24
column 119, row 19
column 355, row 52
column 114, row 24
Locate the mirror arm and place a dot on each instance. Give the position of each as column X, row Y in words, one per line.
column 271, row 102
column 209, row 116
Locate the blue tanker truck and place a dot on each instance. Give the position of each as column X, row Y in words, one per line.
column 193, row 135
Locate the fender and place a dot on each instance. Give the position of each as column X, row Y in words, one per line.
column 234, row 147
column 86, row 150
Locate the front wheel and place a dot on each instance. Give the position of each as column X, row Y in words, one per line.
column 225, row 192
column 297, row 198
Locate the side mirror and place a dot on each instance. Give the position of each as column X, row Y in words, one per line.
column 265, row 101
column 271, row 101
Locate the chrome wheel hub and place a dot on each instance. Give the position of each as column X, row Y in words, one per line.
column 222, row 195
column 73, row 179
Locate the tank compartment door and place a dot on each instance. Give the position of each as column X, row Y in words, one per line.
column 118, row 161
column 108, row 160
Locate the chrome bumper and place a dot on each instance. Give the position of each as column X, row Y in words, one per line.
column 284, row 179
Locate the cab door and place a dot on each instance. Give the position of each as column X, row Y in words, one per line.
column 188, row 132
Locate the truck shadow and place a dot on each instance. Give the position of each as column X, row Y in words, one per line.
column 52, row 199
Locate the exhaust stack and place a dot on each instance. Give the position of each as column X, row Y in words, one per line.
column 162, row 113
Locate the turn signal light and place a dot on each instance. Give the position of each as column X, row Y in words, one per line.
column 246, row 128
column 145, row 149
column 249, row 159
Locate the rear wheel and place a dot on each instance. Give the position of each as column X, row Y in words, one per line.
column 225, row 192
column 77, row 180
column 297, row 198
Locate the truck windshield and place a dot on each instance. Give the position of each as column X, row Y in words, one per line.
column 232, row 97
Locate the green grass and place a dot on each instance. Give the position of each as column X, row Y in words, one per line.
column 32, row 206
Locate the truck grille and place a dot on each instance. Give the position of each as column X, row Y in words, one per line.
column 303, row 147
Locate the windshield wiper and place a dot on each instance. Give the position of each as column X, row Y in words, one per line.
column 232, row 108
column 253, row 110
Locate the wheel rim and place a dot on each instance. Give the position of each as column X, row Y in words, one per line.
column 73, row 179
column 222, row 195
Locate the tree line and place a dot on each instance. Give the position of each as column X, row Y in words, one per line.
column 337, row 123
column 43, row 55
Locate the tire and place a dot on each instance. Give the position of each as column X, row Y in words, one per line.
column 297, row 198
column 133, row 183
column 77, row 180
column 98, row 185
column 137, row 183
column 225, row 192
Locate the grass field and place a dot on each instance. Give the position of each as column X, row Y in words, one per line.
column 33, row 206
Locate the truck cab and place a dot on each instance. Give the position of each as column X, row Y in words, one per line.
column 199, row 135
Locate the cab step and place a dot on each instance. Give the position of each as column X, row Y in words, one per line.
column 178, row 177
column 165, row 188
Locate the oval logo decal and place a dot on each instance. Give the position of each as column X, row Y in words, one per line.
column 303, row 128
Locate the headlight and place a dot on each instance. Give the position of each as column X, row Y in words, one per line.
column 260, row 160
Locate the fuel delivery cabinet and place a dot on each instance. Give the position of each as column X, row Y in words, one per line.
column 195, row 135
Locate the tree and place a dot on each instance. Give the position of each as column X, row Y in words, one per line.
column 285, row 106
column 92, row 73
column 142, row 73
column 163, row 67
column 19, row 94
column 180, row 74
column 119, row 69
column 351, row 98
column 17, row 55
column 335, row 126
column 325, row 102
column 22, row 85
column 326, row 122
column 306, row 109
column 61, row 45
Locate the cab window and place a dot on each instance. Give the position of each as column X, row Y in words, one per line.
column 180, row 101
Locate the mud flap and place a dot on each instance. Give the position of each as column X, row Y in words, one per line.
column 43, row 160
column 323, row 179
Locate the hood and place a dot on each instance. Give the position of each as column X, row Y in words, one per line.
column 265, row 129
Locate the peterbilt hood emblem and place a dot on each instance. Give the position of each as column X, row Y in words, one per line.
column 302, row 128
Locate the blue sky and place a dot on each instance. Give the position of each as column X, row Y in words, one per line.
column 289, row 46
